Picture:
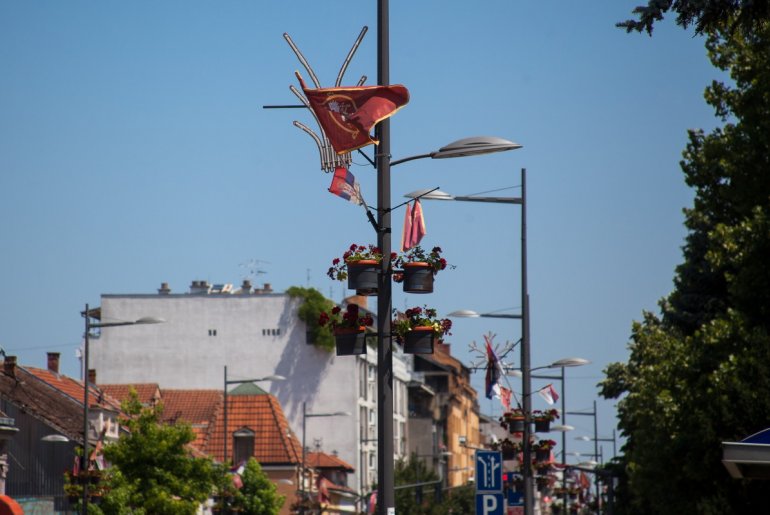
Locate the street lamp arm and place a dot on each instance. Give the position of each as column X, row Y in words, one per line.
column 491, row 200
column 411, row 158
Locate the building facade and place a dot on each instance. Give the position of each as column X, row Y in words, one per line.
column 254, row 333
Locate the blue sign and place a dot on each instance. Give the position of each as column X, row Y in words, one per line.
column 490, row 504
column 489, row 471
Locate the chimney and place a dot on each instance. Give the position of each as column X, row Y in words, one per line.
column 91, row 376
column 445, row 348
column 361, row 300
column 9, row 365
column 53, row 362
column 199, row 287
column 164, row 289
column 246, row 286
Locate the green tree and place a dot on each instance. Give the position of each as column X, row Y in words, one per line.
column 153, row 471
column 697, row 373
column 257, row 496
column 706, row 15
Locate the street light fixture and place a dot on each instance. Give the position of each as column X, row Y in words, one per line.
column 473, row 146
column 306, row 415
column 239, row 381
column 88, row 326
column 526, row 382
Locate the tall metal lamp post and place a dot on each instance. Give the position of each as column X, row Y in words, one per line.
column 596, row 444
column 306, row 415
column 224, row 414
column 88, row 326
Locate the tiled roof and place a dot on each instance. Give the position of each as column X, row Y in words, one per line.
column 57, row 401
column 148, row 393
column 321, row 460
column 198, row 407
column 73, row 388
column 273, row 441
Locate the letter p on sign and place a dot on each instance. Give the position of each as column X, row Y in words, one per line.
column 489, row 504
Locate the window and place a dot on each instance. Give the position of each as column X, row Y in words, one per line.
column 212, row 332
column 271, row 332
column 243, row 445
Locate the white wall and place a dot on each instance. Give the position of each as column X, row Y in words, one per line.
column 256, row 335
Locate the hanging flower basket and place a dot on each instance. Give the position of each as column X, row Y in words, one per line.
column 516, row 424
column 543, row 419
column 419, row 340
column 543, row 455
column 360, row 265
column 348, row 327
column 418, row 269
column 418, row 277
column 350, row 340
column 362, row 276
column 417, row 328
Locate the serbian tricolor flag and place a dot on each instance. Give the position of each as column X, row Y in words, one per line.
column 493, row 372
column 347, row 115
column 548, row 393
column 345, row 185
column 414, row 226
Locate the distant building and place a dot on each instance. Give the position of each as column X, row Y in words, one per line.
column 254, row 333
column 47, row 410
column 444, row 415
column 255, row 422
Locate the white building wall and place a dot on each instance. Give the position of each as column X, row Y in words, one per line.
column 254, row 335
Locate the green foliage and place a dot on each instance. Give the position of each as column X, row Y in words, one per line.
column 431, row 498
column 706, row 15
column 152, row 469
column 313, row 304
column 697, row 374
column 257, row 496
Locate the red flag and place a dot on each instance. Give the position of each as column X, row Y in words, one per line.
column 414, row 226
column 345, row 185
column 585, row 483
column 505, row 397
column 347, row 115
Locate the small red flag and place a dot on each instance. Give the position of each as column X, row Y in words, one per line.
column 414, row 226
column 347, row 115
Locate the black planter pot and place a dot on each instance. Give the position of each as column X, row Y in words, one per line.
column 542, row 455
column 542, row 425
column 419, row 341
column 350, row 342
column 516, row 425
column 362, row 276
column 418, row 278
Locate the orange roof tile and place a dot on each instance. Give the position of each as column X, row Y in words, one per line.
column 321, row 460
column 197, row 407
column 74, row 388
column 273, row 442
column 148, row 393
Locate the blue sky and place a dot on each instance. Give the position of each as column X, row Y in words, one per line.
column 134, row 150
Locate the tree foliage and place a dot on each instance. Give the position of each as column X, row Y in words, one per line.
column 698, row 373
column 706, row 15
column 429, row 498
column 257, row 496
column 313, row 303
column 153, row 471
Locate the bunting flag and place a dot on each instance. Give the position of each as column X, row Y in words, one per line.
column 505, row 397
column 372, row 504
column 548, row 393
column 414, row 226
column 347, row 115
column 493, row 371
column 345, row 185
column 585, row 483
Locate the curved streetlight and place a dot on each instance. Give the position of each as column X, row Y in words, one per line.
column 475, row 146
column 240, row 381
column 87, row 315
